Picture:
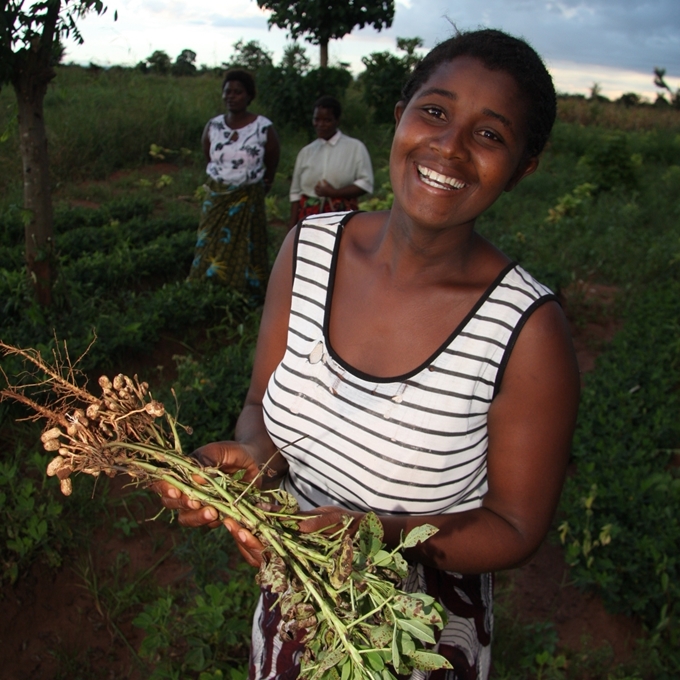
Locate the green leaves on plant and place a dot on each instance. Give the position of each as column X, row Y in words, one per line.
column 419, row 535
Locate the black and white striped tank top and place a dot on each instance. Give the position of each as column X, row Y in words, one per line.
column 413, row 444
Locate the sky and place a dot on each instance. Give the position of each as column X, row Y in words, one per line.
column 614, row 43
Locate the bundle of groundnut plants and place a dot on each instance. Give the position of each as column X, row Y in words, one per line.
column 338, row 591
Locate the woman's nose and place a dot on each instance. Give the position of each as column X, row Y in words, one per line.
column 451, row 142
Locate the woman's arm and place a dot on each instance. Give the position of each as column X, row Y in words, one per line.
column 324, row 189
column 252, row 446
column 530, row 427
column 361, row 176
column 205, row 142
column 272, row 153
column 294, row 209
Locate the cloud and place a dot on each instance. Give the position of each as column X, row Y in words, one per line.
column 625, row 34
column 633, row 36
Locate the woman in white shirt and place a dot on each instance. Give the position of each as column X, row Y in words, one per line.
column 333, row 171
column 242, row 152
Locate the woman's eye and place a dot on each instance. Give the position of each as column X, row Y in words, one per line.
column 489, row 134
column 434, row 111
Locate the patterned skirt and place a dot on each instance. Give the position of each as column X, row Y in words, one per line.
column 465, row 640
column 311, row 205
column 231, row 246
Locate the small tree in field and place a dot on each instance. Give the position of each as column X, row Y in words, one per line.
column 29, row 49
column 385, row 75
column 661, row 83
column 320, row 21
column 185, row 64
column 250, row 56
column 159, row 62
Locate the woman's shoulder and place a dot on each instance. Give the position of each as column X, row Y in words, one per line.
column 262, row 121
column 346, row 140
column 518, row 278
column 217, row 122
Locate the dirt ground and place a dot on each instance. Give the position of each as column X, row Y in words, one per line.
column 55, row 610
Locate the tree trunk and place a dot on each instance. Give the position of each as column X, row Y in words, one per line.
column 33, row 73
column 37, row 197
column 323, row 54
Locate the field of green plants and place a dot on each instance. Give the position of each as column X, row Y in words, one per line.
column 603, row 208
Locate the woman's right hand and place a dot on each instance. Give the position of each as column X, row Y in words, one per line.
column 228, row 456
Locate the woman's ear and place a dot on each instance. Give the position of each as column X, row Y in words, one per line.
column 398, row 111
column 525, row 168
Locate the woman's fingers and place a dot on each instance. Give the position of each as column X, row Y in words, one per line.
column 327, row 519
column 248, row 545
column 228, row 456
column 201, row 517
column 190, row 513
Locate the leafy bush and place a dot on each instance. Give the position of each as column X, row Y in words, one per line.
column 621, row 510
column 67, row 218
column 610, row 163
column 35, row 524
column 288, row 96
column 207, row 637
column 30, row 515
column 202, row 630
column 385, row 75
column 211, row 391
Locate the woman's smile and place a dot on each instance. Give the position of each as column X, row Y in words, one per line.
column 437, row 180
column 459, row 143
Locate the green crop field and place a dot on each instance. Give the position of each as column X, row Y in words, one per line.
column 603, row 208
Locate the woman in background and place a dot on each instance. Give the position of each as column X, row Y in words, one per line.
column 333, row 171
column 242, row 151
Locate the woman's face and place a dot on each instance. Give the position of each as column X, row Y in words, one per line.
column 235, row 96
column 325, row 123
column 459, row 143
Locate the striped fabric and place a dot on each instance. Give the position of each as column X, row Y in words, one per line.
column 412, row 444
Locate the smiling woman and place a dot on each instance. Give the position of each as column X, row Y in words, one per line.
column 466, row 153
column 406, row 366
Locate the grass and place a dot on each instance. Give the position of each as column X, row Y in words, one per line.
column 615, row 116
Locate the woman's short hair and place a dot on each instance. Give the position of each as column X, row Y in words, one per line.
column 499, row 51
column 244, row 78
column 328, row 102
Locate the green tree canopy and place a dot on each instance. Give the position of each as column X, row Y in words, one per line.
column 320, row 21
column 385, row 75
column 288, row 91
column 185, row 64
column 159, row 62
column 250, row 56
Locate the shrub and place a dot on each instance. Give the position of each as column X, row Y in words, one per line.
column 621, row 510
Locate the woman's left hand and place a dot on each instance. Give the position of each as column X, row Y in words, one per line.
column 324, row 189
column 327, row 519
column 248, row 545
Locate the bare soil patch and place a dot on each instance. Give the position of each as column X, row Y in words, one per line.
column 55, row 621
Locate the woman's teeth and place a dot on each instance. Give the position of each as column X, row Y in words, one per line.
column 435, row 179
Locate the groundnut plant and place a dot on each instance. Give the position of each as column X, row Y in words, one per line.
column 338, row 592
